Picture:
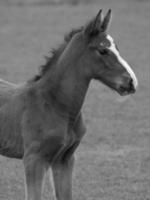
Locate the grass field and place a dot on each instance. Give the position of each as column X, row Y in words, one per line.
column 113, row 161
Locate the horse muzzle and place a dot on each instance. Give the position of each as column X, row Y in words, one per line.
column 127, row 87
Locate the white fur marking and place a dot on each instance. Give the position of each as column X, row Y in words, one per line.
column 52, row 185
column 122, row 61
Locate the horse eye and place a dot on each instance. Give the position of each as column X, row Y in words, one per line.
column 103, row 51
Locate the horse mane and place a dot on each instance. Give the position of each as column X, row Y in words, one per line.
column 55, row 53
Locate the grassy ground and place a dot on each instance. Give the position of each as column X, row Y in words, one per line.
column 113, row 161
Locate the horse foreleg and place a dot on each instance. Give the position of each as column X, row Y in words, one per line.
column 35, row 168
column 62, row 177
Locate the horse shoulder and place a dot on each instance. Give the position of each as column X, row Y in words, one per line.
column 46, row 142
column 44, row 132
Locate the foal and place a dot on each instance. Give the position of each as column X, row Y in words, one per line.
column 41, row 120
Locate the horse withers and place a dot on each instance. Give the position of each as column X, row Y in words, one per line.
column 41, row 121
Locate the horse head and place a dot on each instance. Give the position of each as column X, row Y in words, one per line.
column 97, row 56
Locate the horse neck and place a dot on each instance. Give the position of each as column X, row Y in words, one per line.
column 65, row 87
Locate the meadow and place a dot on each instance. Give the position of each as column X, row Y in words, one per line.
column 113, row 160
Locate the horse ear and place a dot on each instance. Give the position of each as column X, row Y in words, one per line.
column 106, row 21
column 93, row 28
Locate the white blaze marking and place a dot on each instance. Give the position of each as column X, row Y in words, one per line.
column 122, row 61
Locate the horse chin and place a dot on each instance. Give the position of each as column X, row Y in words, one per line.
column 120, row 91
column 125, row 92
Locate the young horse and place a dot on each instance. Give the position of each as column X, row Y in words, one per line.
column 41, row 121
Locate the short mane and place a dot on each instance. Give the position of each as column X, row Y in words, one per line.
column 55, row 53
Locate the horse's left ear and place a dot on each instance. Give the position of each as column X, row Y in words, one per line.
column 93, row 28
column 106, row 21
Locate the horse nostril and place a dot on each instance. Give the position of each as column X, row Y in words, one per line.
column 131, row 85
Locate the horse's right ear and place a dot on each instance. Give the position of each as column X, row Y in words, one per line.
column 93, row 27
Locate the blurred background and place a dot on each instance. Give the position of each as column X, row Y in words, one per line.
column 113, row 160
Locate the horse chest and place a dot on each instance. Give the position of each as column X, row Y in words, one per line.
column 52, row 139
column 56, row 146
